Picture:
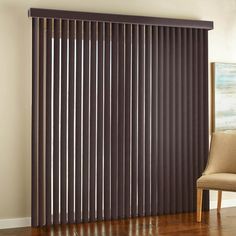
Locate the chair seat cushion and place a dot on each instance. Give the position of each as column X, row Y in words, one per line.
column 218, row 181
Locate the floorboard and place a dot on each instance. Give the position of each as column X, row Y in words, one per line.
column 223, row 224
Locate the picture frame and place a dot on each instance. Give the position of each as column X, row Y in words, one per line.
column 223, row 96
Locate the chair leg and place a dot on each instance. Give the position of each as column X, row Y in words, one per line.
column 219, row 201
column 199, row 204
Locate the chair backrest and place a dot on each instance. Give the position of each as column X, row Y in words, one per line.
column 222, row 157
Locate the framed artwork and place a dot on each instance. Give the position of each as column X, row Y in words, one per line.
column 223, row 96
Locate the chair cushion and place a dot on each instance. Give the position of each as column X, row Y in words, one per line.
column 222, row 158
column 219, row 181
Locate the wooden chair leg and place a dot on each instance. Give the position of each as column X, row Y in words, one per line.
column 199, row 204
column 219, row 201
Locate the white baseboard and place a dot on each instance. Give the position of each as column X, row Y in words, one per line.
column 225, row 203
column 15, row 223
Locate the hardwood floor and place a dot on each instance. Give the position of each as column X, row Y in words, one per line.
column 223, row 224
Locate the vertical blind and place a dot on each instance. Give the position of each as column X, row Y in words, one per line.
column 119, row 115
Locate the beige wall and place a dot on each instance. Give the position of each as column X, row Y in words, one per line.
column 15, row 74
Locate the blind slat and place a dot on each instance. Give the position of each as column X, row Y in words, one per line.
column 121, row 121
column 148, row 142
column 185, row 120
column 107, row 125
column 134, row 184
column 196, row 116
column 173, row 114
column 71, row 122
column 79, row 83
column 93, row 119
column 64, row 152
column 141, row 121
column 41, row 157
column 100, row 122
column 128, row 117
column 205, row 133
column 48, row 120
column 166, row 122
column 56, row 144
column 86, row 125
column 114, row 121
column 161, row 118
column 34, row 154
column 179, row 106
column 154, row 122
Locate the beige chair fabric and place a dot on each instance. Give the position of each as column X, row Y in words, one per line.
column 218, row 181
column 222, row 158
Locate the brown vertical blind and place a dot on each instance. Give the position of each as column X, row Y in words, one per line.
column 41, row 148
column 78, row 126
column 56, row 126
column 119, row 115
column 48, row 121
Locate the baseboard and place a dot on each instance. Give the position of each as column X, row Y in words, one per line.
column 225, row 203
column 15, row 223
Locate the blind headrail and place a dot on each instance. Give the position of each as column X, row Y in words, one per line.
column 130, row 19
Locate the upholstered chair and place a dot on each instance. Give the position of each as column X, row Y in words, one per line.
column 220, row 172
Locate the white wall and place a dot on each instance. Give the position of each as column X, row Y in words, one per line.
column 15, row 74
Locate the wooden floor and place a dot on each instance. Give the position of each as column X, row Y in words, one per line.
column 181, row 224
